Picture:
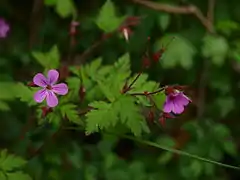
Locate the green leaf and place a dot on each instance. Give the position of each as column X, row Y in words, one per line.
column 165, row 158
column 227, row 26
column 216, row 48
column 107, row 19
column 142, row 84
column 50, row 2
column 166, row 141
column 107, row 91
column 179, row 52
column 92, row 68
column 9, row 162
column 65, row 8
column 159, row 99
column 4, row 106
column 7, row 90
column 49, row 60
column 130, row 115
column 215, row 152
column 69, row 110
column 54, row 119
column 25, row 94
column 196, row 168
column 225, row 105
column 163, row 20
column 74, row 84
column 230, row 147
column 18, row 176
column 119, row 75
column 113, row 82
column 3, row 176
column 221, row 131
column 103, row 116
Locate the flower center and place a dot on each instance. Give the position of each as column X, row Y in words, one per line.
column 49, row 87
column 171, row 97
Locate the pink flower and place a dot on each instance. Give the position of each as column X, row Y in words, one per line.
column 4, row 28
column 175, row 102
column 49, row 88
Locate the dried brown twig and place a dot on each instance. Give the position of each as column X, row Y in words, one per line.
column 190, row 9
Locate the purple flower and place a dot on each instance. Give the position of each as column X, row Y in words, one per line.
column 4, row 28
column 49, row 88
column 175, row 102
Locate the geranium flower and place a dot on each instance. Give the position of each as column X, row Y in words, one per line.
column 175, row 102
column 4, row 28
column 49, row 88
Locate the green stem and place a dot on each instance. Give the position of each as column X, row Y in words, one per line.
column 152, row 144
column 149, row 143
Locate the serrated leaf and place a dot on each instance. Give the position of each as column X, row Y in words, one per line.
column 141, row 85
column 113, row 83
column 9, row 162
column 107, row 19
column 69, row 110
column 49, row 60
column 100, row 118
column 54, row 119
column 106, row 90
column 75, row 70
column 130, row 115
column 18, row 176
column 216, row 48
column 74, row 84
column 92, row 68
column 121, row 72
column 179, row 52
column 25, row 94
column 65, row 8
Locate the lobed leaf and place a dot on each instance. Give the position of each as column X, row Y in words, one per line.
column 9, row 162
column 103, row 116
column 178, row 52
column 49, row 60
column 107, row 19
column 69, row 110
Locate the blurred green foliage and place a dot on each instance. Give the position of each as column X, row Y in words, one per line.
column 65, row 145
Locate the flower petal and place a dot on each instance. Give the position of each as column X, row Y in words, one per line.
column 53, row 76
column 168, row 106
column 40, row 95
column 182, row 99
column 178, row 108
column 40, row 80
column 61, row 89
column 52, row 99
